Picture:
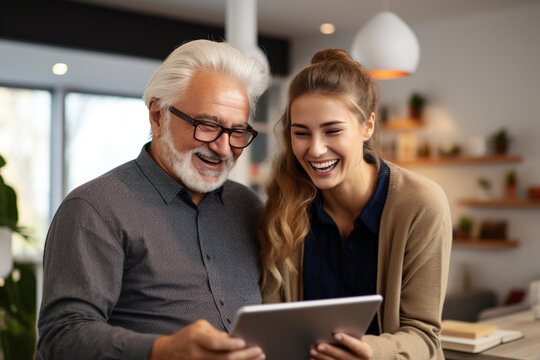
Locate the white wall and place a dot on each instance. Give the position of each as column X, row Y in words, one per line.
column 479, row 72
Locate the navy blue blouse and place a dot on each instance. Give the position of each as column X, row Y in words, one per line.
column 333, row 268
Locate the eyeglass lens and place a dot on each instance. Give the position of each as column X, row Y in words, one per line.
column 210, row 132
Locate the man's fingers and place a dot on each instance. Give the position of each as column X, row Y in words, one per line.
column 211, row 339
column 251, row 353
column 201, row 340
column 219, row 345
column 216, row 344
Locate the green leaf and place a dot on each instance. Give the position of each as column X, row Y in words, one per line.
column 9, row 215
column 18, row 314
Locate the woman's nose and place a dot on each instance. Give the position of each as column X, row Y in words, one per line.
column 317, row 147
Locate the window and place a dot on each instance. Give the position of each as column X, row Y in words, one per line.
column 25, row 123
column 101, row 133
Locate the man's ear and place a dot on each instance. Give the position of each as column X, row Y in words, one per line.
column 156, row 117
column 369, row 127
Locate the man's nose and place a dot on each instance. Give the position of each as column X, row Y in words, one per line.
column 221, row 145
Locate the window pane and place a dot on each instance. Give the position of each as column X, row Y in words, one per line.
column 25, row 118
column 102, row 132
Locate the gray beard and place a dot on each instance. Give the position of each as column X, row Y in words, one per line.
column 180, row 164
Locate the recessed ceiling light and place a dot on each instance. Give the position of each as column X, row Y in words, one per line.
column 327, row 28
column 59, row 69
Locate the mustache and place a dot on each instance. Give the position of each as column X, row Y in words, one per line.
column 204, row 151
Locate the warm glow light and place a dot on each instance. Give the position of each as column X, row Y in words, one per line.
column 387, row 74
column 59, row 69
column 327, row 28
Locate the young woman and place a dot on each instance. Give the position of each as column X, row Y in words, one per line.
column 340, row 221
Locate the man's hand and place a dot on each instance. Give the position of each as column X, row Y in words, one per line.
column 201, row 340
column 350, row 348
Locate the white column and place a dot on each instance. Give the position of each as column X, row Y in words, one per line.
column 241, row 27
column 241, row 31
column 57, row 151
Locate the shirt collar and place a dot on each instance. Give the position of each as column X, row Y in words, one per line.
column 167, row 187
column 371, row 214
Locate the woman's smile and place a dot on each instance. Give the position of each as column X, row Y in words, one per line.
column 324, row 166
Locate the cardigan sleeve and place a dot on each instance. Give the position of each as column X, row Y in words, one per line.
column 416, row 232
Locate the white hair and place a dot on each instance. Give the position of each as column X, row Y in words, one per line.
column 173, row 76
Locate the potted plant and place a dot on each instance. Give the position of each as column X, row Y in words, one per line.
column 510, row 184
column 9, row 216
column 416, row 105
column 18, row 293
column 485, row 187
column 465, row 226
column 500, row 140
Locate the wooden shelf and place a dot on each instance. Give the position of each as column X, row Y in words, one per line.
column 505, row 203
column 460, row 160
column 485, row 243
column 401, row 125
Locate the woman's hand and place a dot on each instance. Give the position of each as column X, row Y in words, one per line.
column 350, row 348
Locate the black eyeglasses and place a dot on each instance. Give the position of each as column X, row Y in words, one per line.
column 208, row 131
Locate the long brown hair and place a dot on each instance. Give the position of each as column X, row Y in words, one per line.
column 285, row 219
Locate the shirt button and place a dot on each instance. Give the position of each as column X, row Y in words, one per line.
column 228, row 321
column 208, row 256
column 221, row 302
column 350, row 246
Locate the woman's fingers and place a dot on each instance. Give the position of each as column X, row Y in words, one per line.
column 352, row 348
column 326, row 351
column 358, row 347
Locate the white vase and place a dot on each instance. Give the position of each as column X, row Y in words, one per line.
column 534, row 298
column 6, row 261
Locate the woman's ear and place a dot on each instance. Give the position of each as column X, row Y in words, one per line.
column 369, row 127
column 155, row 116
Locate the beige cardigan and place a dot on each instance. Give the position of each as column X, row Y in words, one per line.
column 415, row 238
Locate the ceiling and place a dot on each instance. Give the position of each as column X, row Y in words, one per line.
column 293, row 18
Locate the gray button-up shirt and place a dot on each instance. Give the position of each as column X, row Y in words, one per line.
column 129, row 257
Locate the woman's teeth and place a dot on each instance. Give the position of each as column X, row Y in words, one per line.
column 324, row 166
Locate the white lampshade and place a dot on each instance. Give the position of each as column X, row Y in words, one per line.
column 387, row 47
column 6, row 261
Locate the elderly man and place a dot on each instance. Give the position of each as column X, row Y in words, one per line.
column 152, row 259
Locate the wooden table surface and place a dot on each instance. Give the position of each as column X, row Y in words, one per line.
column 527, row 348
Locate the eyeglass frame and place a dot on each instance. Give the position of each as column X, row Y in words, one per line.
column 223, row 129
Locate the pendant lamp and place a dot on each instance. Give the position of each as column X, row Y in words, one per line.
column 387, row 47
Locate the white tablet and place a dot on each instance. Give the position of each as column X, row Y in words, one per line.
column 287, row 330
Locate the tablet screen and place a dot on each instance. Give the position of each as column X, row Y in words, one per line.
column 288, row 330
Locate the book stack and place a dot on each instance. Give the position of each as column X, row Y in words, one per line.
column 474, row 338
